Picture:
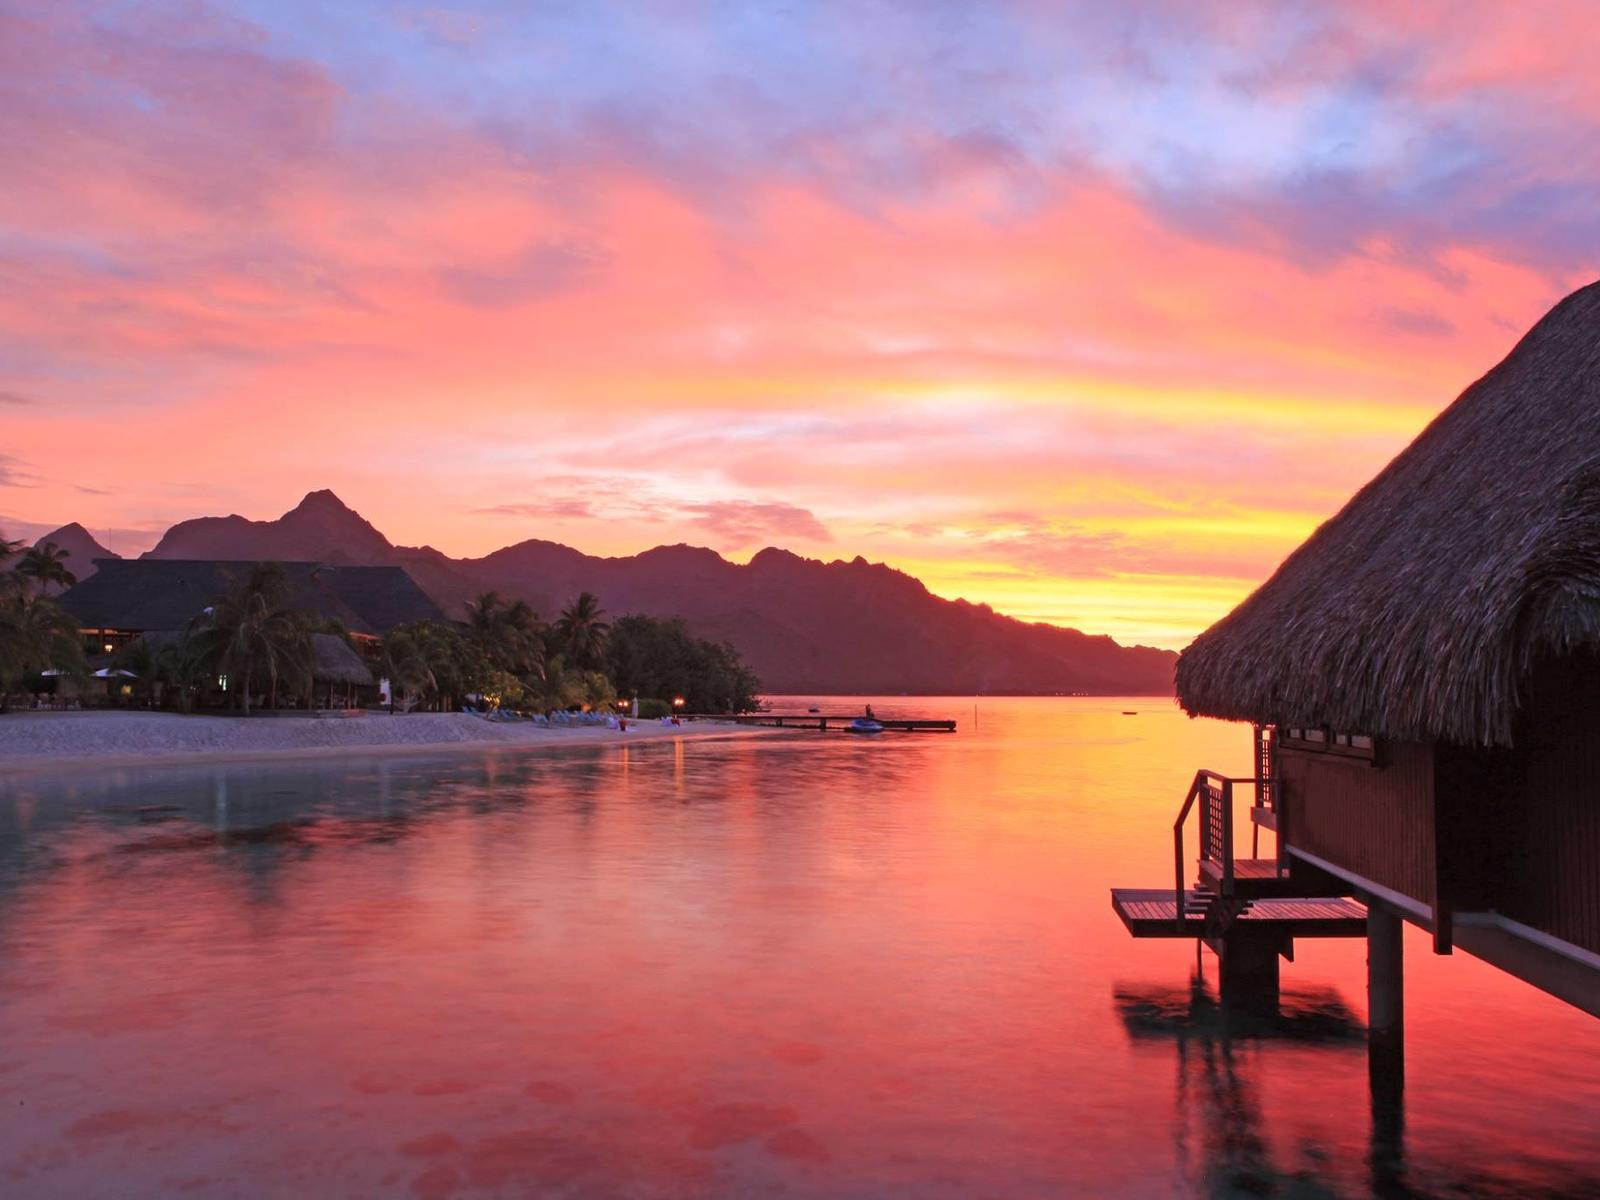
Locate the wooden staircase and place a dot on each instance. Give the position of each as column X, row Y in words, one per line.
column 1249, row 878
column 1254, row 896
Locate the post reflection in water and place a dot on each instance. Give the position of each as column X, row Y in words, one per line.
column 817, row 965
column 1219, row 1120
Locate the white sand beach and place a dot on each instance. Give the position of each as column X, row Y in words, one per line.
column 33, row 741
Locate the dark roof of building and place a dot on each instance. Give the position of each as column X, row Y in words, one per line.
column 168, row 593
column 333, row 661
column 1418, row 611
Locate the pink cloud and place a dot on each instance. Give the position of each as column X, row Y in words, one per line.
column 226, row 265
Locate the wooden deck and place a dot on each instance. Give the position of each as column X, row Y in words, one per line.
column 1253, row 879
column 1152, row 913
column 825, row 722
column 1255, row 868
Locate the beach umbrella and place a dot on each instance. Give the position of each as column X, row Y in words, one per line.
column 114, row 673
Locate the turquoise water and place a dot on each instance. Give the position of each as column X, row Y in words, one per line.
column 801, row 966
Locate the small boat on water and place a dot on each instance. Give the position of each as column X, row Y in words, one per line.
column 864, row 725
column 1129, row 713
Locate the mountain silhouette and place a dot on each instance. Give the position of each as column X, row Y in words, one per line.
column 81, row 548
column 803, row 625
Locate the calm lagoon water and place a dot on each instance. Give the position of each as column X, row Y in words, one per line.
column 802, row 966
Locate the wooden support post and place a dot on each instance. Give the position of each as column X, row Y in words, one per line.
column 1386, row 1054
column 1386, row 1051
column 1247, row 971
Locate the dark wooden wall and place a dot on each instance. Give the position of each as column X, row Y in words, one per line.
column 1377, row 821
column 1514, row 831
column 1552, row 828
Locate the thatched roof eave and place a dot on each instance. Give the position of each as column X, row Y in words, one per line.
column 1419, row 610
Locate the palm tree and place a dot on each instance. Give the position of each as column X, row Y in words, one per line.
column 434, row 662
column 406, row 662
column 35, row 635
column 46, row 565
column 528, row 634
column 511, row 636
column 583, row 633
column 182, row 667
column 9, row 579
column 251, row 632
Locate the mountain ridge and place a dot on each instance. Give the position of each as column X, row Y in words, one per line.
column 81, row 546
column 803, row 625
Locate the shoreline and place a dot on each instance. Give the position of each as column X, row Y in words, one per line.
column 34, row 743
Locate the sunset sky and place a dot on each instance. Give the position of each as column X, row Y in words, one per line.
column 1089, row 311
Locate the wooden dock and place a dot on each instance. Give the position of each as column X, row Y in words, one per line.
column 825, row 722
column 1152, row 913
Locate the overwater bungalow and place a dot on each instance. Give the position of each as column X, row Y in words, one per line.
column 1423, row 678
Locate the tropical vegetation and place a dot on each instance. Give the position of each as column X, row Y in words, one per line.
column 170, row 672
column 661, row 659
column 510, row 636
column 45, row 567
column 510, row 658
column 431, row 664
column 251, row 635
column 583, row 632
column 35, row 635
column 253, row 643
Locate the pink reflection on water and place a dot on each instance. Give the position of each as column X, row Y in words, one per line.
column 816, row 965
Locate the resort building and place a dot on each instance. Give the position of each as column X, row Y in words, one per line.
column 157, row 599
column 126, row 597
column 1423, row 675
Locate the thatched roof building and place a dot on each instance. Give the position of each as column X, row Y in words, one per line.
column 143, row 594
column 333, row 661
column 1418, row 611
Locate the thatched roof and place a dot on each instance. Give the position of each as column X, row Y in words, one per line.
column 1417, row 611
column 167, row 593
column 333, row 661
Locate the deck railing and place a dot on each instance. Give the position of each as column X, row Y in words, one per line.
column 1214, row 792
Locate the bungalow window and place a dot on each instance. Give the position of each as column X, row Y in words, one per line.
column 1357, row 747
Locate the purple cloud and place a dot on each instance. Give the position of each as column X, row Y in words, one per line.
column 548, row 269
column 738, row 524
column 733, row 524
